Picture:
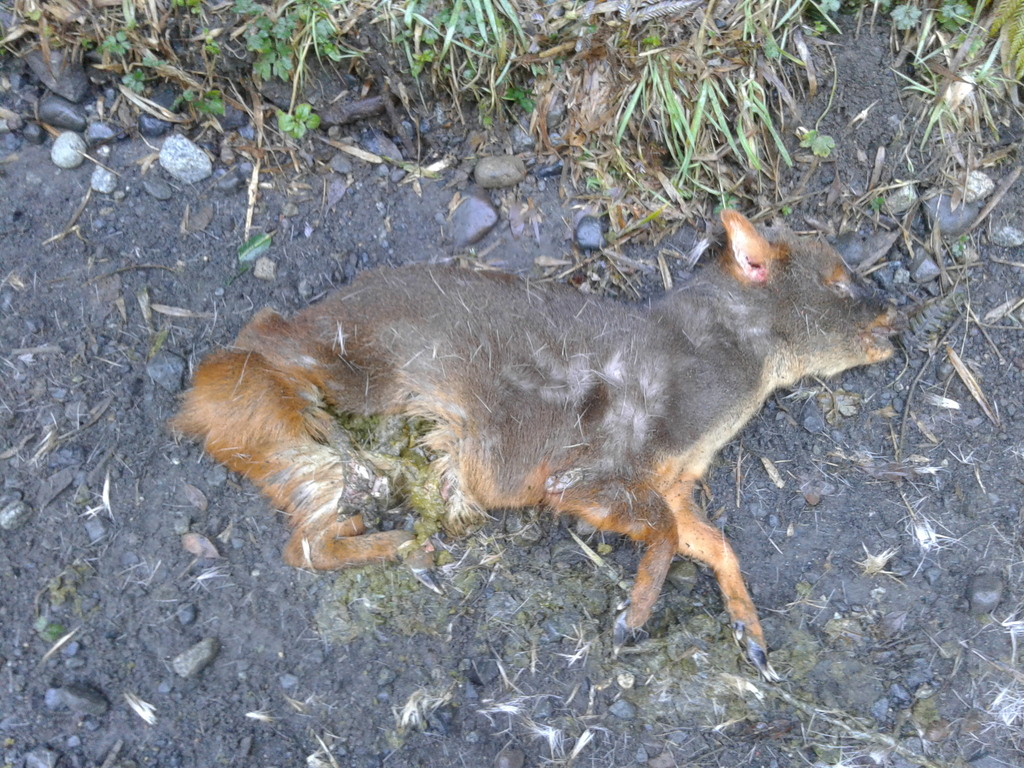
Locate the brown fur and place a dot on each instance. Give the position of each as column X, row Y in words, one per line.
column 540, row 395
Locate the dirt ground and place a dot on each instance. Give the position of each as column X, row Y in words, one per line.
column 513, row 665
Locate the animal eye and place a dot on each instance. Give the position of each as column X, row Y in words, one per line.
column 841, row 287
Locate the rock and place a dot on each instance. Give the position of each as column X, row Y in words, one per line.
column 167, row 370
column 184, row 160
column 522, row 141
column 197, row 658
column 510, row 758
column 623, row 710
column 499, row 171
column 59, row 73
column 96, row 133
column 547, row 171
column 379, row 144
column 924, row 269
column 14, row 513
column 473, row 219
column 340, row 163
column 41, row 758
column 61, row 113
column 33, row 134
column 158, row 188
column 68, row 150
column 589, row 234
column 984, row 593
column 682, row 575
column 1006, row 236
column 813, row 420
column 979, row 187
column 53, row 698
column 152, row 127
column 235, row 179
column 288, row 681
column 103, row 181
column 186, row 614
column 900, row 199
column 265, row 268
column 556, row 113
column 84, row 699
column 951, row 222
column 96, row 529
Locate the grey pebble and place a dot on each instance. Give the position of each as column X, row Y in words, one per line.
column 1006, row 236
column 288, row 681
column 167, row 370
column 953, row 222
column 33, row 134
column 68, row 150
column 522, row 141
column 14, row 513
column 186, row 614
column 53, row 698
column 61, row 113
column 623, row 710
column 589, row 234
column 510, row 758
column 97, row 132
column 158, row 188
column 96, row 529
column 184, row 160
column 473, row 219
column 60, row 74
column 813, row 420
column 924, row 269
column 41, row 758
column 103, row 181
column 379, row 144
column 84, row 699
column 499, row 171
column 152, row 127
column 340, row 163
column 197, row 658
column 984, row 592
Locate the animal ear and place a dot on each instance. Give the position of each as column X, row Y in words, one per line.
column 748, row 256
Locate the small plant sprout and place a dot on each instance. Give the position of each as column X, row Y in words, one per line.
column 819, row 143
column 298, row 124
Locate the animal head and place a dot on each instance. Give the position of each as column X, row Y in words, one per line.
column 826, row 318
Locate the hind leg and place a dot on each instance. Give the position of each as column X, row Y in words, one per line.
column 270, row 425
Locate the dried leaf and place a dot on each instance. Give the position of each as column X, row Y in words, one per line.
column 773, row 473
column 196, row 497
column 1004, row 309
column 164, row 309
column 971, row 382
column 200, row 546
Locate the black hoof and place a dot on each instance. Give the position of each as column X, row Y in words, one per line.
column 755, row 654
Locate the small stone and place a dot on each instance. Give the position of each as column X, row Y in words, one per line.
column 232, row 181
column 340, row 163
column 547, row 171
column 984, row 592
column 932, row 574
column 184, row 160
column 625, row 680
column 152, row 127
column 510, row 758
column 41, row 758
column 813, row 420
column 68, row 150
column 158, row 188
column 289, row 209
column 61, row 113
column 103, row 181
column 924, row 269
column 186, row 614
column 379, row 144
column 197, row 658
column 84, row 699
column 265, row 268
column 397, row 175
column 167, row 370
column 99, row 132
column 34, row 134
column 53, row 698
column 952, row 222
column 900, row 199
column 500, row 171
column 14, row 514
column 1006, row 236
column 880, row 710
column 288, row 681
column 589, row 234
column 623, row 710
column 979, row 186
column 473, row 219
column 522, row 141
column 682, row 575
column 96, row 529
column 59, row 73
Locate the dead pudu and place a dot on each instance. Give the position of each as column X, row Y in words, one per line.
column 539, row 396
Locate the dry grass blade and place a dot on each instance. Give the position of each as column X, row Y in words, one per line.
column 61, row 642
column 971, row 382
column 873, row 565
column 773, row 472
column 143, row 709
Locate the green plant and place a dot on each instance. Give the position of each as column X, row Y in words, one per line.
column 298, row 124
column 1008, row 23
column 520, row 96
column 135, row 80
column 116, row 44
column 208, row 103
column 193, row 6
column 877, row 204
column 819, row 143
column 906, row 16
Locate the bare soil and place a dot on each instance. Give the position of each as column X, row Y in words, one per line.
column 514, row 661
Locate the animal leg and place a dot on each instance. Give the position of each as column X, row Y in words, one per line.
column 701, row 541
column 335, row 545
